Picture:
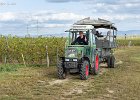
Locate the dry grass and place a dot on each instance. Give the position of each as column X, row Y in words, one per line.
column 120, row 83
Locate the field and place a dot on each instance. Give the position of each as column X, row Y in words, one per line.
column 133, row 41
column 37, row 83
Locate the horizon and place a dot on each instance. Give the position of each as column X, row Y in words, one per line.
column 122, row 34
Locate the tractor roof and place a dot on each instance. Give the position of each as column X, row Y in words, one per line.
column 80, row 28
column 100, row 23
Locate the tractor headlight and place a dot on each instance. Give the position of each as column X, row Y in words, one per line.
column 75, row 60
column 67, row 59
column 71, row 53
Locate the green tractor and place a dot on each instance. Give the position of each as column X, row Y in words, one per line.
column 85, row 58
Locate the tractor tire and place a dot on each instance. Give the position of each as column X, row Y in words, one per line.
column 61, row 71
column 95, row 67
column 111, row 61
column 84, row 70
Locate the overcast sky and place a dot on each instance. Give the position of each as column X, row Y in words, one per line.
column 19, row 17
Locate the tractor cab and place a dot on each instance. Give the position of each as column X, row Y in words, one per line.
column 82, row 48
column 74, row 33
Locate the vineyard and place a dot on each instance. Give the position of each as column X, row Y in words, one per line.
column 32, row 51
column 133, row 41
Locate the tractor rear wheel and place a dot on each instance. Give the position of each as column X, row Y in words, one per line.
column 95, row 66
column 61, row 71
column 111, row 61
column 84, row 70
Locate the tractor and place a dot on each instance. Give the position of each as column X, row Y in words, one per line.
column 85, row 59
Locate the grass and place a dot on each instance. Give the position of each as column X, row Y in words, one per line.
column 9, row 67
column 120, row 83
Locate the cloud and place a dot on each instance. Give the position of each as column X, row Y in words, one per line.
column 54, row 19
column 49, row 25
column 119, row 8
column 121, row 17
column 57, row 16
column 57, row 25
column 7, row 16
column 18, row 22
column 96, row 1
column 41, row 17
column 107, row 6
column 62, row 1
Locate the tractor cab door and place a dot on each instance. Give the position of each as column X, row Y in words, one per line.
column 87, row 48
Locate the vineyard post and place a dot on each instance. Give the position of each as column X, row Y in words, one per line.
column 23, row 59
column 57, row 57
column 6, row 47
column 47, row 58
column 125, row 36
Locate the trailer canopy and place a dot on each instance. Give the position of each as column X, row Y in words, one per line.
column 100, row 23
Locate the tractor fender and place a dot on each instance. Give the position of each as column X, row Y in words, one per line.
column 96, row 51
column 85, row 58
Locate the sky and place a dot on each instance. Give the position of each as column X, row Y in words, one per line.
column 42, row 17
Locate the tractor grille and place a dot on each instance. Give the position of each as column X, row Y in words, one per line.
column 71, row 64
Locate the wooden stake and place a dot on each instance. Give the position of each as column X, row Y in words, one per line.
column 47, row 58
column 23, row 59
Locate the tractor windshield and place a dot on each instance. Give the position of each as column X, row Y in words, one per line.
column 79, row 37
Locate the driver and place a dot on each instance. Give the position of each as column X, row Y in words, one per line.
column 81, row 40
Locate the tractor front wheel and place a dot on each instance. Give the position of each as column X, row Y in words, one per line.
column 84, row 70
column 61, row 71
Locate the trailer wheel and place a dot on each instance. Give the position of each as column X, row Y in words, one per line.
column 61, row 70
column 84, row 70
column 111, row 61
column 95, row 67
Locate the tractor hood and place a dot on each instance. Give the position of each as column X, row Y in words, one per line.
column 74, row 51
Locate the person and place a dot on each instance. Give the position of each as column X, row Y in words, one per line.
column 98, row 34
column 108, row 33
column 81, row 40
